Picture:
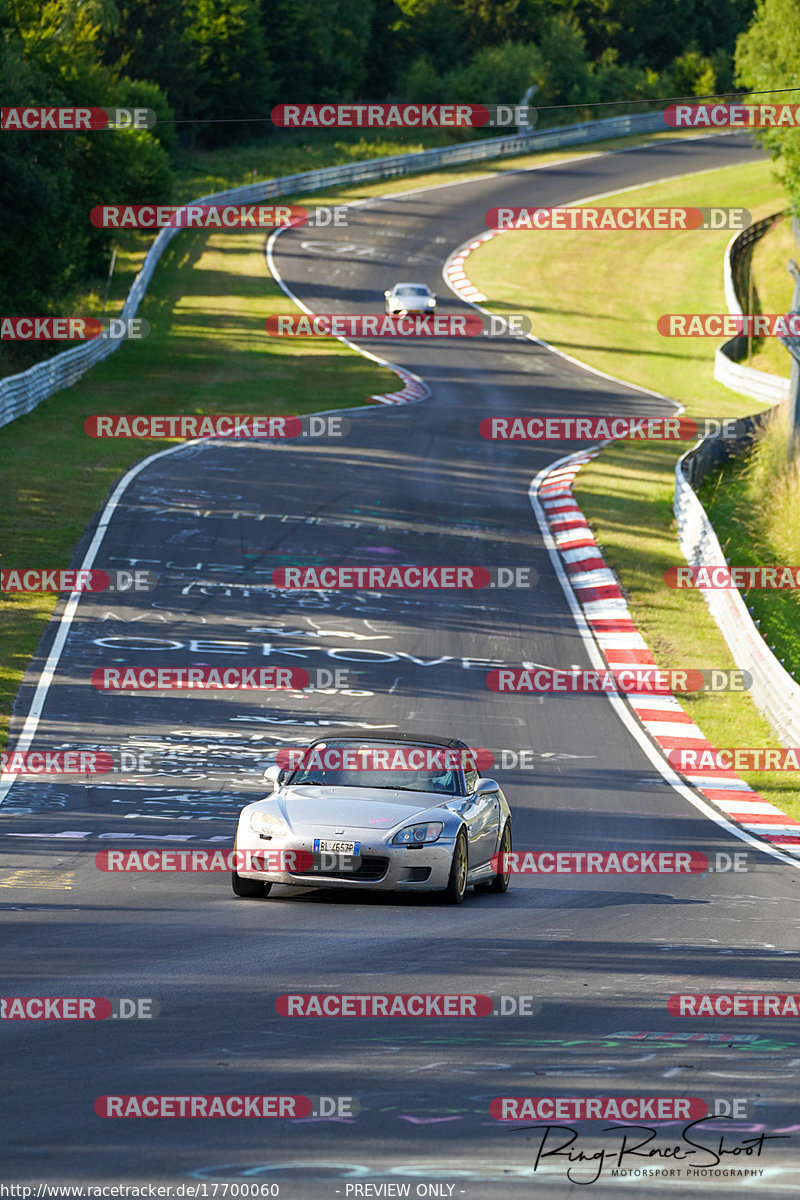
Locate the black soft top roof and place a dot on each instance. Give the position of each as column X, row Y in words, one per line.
column 348, row 735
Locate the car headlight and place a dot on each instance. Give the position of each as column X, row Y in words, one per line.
column 431, row 303
column 418, row 835
column 266, row 825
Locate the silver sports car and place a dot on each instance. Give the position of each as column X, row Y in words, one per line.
column 409, row 298
column 401, row 813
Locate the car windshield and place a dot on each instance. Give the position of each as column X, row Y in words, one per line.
column 380, row 767
column 412, row 291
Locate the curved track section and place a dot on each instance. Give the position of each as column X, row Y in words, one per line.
column 408, row 484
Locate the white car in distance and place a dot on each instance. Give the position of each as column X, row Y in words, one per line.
column 409, row 298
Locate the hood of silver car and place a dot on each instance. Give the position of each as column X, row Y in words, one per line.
column 353, row 808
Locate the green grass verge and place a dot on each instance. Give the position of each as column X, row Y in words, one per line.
column 131, row 248
column 203, row 172
column 200, row 173
column 754, row 506
column 773, row 287
column 627, row 491
column 207, row 353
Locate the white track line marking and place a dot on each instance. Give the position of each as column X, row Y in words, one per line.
column 31, row 722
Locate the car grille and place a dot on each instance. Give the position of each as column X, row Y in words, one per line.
column 371, row 867
column 418, row 874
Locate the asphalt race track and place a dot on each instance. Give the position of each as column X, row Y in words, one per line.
column 600, row 955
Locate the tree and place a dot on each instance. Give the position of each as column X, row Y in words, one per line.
column 768, row 58
column 497, row 75
column 321, row 52
column 438, row 31
column 654, row 33
column 226, row 40
column 208, row 56
column 148, row 42
column 566, row 65
column 388, row 50
column 692, row 74
column 421, row 84
column 49, row 181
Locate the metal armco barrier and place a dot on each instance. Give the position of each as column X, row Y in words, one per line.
column 774, row 691
column 713, row 451
column 727, row 367
column 20, row 394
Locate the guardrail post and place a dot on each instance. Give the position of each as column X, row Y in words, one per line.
column 528, row 125
column 792, row 344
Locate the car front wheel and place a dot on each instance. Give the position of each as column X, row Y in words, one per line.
column 457, row 883
column 249, row 889
column 499, row 882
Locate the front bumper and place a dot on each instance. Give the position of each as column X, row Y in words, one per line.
column 382, row 867
column 393, row 311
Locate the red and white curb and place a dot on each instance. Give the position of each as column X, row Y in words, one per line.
column 454, row 268
column 413, row 388
column 606, row 612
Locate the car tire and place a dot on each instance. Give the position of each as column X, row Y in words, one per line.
column 457, row 883
column 249, row 889
column 499, row 883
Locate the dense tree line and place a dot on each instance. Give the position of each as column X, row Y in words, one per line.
column 767, row 57
column 212, row 69
column 50, row 53
column 233, row 59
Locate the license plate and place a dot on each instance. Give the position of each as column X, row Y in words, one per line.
column 324, row 846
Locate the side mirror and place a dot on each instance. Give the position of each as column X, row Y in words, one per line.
column 485, row 787
column 386, row 295
column 273, row 775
